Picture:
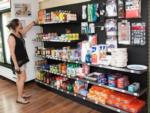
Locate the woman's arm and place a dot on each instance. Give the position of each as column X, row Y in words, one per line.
column 27, row 28
column 12, row 43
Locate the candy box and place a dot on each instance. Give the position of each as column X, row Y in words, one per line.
column 136, row 106
column 126, row 99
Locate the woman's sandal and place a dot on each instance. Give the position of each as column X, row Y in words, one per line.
column 26, row 96
column 22, row 101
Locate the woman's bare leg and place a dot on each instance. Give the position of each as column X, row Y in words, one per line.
column 20, row 85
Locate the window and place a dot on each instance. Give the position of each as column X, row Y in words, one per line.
column 5, row 19
column 4, row 33
column 1, row 50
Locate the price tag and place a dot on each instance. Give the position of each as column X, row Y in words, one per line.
column 135, row 94
column 96, row 102
column 83, row 98
column 77, row 62
column 118, row 110
column 88, row 64
column 132, row 71
column 100, row 65
column 123, row 91
column 99, row 84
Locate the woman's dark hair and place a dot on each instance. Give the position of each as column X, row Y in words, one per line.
column 13, row 24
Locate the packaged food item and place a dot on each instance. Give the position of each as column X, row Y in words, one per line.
column 41, row 16
column 92, row 40
column 86, row 69
column 70, row 88
column 88, row 57
column 84, row 28
column 92, row 12
column 134, row 87
column 91, row 28
column 136, row 106
column 95, row 54
column 111, row 33
column 64, row 68
column 124, row 32
column 84, row 49
column 121, row 10
column 138, row 33
column 122, row 82
column 99, row 94
column 102, row 53
column 79, row 85
column 84, row 10
column 133, row 8
column 83, row 92
column 102, row 11
column 111, row 8
column 112, row 80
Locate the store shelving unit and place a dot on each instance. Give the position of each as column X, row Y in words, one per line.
column 49, row 23
column 82, row 97
column 98, row 66
column 137, row 55
column 60, row 41
column 138, row 93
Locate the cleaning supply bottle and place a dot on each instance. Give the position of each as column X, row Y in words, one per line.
column 88, row 57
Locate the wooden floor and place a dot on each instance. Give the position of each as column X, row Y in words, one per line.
column 42, row 101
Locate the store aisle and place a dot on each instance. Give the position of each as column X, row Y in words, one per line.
column 42, row 101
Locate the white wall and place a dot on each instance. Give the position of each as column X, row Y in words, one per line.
column 55, row 3
column 29, row 44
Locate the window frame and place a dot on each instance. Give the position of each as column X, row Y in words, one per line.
column 5, row 64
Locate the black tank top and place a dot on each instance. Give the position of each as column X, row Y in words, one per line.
column 20, row 52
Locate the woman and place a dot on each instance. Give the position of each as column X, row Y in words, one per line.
column 19, row 56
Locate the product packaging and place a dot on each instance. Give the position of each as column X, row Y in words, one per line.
column 102, row 11
column 41, row 16
column 84, row 49
column 111, row 8
column 121, row 10
column 91, row 28
column 124, row 32
column 92, row 12
column 134, row 87
column 92, row 40
column 95, row 54
column 133, row 8
column 138, row 33
column 84, row 28
column 111, row 33
column 84, row 12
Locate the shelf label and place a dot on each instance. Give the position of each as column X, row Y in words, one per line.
column 123, row 91
column 96, row 102
column 132, row 71
column 136, row 94
column 99, row 84
column 118, row 110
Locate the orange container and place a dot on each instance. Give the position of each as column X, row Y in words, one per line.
column 136, row 106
